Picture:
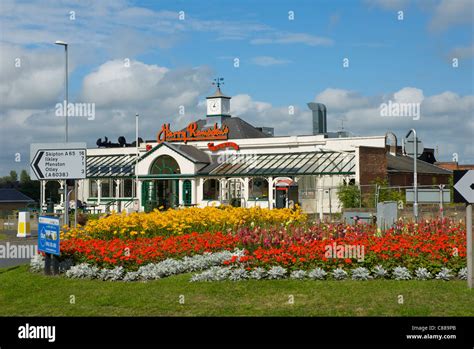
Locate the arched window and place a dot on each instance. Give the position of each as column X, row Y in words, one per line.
column 258, row 189
column 210, row 190
column 165, row 164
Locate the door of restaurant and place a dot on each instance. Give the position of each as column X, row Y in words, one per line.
column 166, row 193
column 187, row 192
column 281, row 197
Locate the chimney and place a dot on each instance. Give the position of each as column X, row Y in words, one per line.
column 392, row 143
column 319, row 118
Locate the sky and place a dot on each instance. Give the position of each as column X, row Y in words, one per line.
column 158, row 59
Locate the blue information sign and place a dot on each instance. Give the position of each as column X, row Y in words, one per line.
column 48, row 235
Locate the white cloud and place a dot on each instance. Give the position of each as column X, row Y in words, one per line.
column 408, row 95
column 339, row 99
column 266, row 61
column 388, row 4
column 287, row 120
column 30, row 78
column 444, row 13
column 293, row 38
column 450, row 103
column 446, row 120
column 115, row 83
column 156, row 93
column 462, row 52
column 450, row 13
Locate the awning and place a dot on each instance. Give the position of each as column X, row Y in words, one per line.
column 119, row 165
column 293, row 164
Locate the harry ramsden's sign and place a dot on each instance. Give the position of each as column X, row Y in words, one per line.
column 224, row 145
column 191, row 133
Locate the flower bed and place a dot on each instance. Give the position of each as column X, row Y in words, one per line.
column 304, row 250
column 183, row 221
column 430, row 244
column 132, row 253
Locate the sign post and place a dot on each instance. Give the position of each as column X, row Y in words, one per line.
column 59, row 161
column 48, row 242
column 414, row 147
column 464, row 192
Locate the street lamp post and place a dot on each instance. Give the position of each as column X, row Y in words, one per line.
column 62, row 43
column 415, row 179
column 66, row 201
column 136, row 161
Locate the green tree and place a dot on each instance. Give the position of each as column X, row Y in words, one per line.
column 24, row 177
column 349, row 195
column 387, row 194
column 13, row 176
column 28, row 187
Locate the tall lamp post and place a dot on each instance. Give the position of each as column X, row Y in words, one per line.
column 415, row 179
column 62, row 43
column 66, row 202
column 136, row 161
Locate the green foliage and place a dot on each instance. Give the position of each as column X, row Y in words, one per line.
column 13, row 176
column 386, row 194
column 349, row 196
column 24, row 177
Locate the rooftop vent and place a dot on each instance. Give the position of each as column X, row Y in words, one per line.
column 319, row 118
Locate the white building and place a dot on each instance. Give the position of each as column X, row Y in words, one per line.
column 223, row 160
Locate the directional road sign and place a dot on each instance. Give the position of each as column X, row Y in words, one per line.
column 464, row 186
column 58, row 161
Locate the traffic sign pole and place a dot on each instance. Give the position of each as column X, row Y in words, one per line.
column 470, row 247
column 415, row 177
column 464, row 192
column 66, row 205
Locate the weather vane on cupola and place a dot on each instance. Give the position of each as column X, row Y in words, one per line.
column 218, row 105
column 218, row 82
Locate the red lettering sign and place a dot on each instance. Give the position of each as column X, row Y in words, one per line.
column 191, row 133
column 217, row 147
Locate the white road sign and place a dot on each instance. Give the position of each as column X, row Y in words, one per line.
column 410, row 146
column 465, row 186
column 58, row 161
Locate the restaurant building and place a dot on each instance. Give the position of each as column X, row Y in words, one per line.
column 222, row 159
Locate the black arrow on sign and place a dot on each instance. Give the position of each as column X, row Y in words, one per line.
column 35, row 165
column 472, row 186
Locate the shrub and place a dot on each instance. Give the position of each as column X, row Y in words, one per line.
column 277, row 272
column 462, row 274
column 317, row 274
column 238, row 274
column 83, row 271
column 401, row 273
column 444, row 274
column 379, row 272
column 361, row 274
column 298, row 275
column 339, row 274
column 258, row 273
column 422, row 274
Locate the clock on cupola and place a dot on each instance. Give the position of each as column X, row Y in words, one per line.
column 218, row 105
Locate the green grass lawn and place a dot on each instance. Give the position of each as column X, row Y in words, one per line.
column 2, row 236
column 27, row 294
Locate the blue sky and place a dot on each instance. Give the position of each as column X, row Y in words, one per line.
column 282, row 63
